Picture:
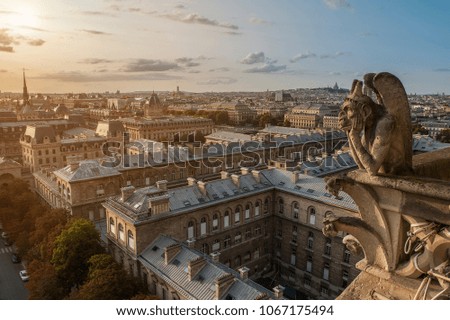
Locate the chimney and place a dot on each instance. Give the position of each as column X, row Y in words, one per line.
column 191, row 181
column 257, row 175
column 236, row 180
column 74, row 166
column 194, row 267
column 223, row 283
column 215, row 257
column 224, row 175
column 202, row 186
column 127, row 192
column 244, row 273
column 245, row 171
column 162, row 185
column 295, row 176
column 171, row 251
column 278, row 292
column 190, row 243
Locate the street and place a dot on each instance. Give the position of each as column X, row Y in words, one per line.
column 11, row 286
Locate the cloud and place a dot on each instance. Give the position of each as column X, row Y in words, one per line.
column 334, row 73
column 216, row 81
column 187, row 62
column 194, row 18
column 233, row 33
column 222, row 69
column 76, row 76
column 6, row 49
column 6, row 38
column 145, row 65
column 270, row 67
column 337, row 4
column 302, row 56
column 259, row 21
column 3, row 71
column 36, row 42
column 95, row 61
column 34, row 28
column 334, row 55
column 180, row 6
column 97, row 13
column 254, row 57
column 442, row 70
column 367, row 34
column 96, row 32
column 134, row 9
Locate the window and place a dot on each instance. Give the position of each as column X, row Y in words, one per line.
column 256, row 254
column 247, row 257
column 326, row 272
column 310, row 243
column 238, row 238
column 112, row 227
column 344, row 278
column 190, row 230
column 227, row 242
column 293, row 257
column 237, row 261
column 257, row 230
column 130, row 239
column 346, row 256
column 328, row 247
column 248, row 234
column 205, row 248
column 307, row 281
column 257, row 209
column 279, row 229
column 203, row 226
column 312, row 215
column 266, row 206
column 247, row 212
column 226, row 219
column 237, row 215
column 121, row 233
column 324, row 290
column 216, row 245
column 295, row 210
column 309, row 264
column 281, row 206
column 215, row 223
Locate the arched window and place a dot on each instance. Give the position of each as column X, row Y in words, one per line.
column 112, row 226
column 295, row 210
column 203, row 226
column 326, row 271
column 247, row 212
column 237, row 215
column 293, row 256
column 190, row 230
column 226, row 219
column 312, row 215
column 346, row 256
column 266, row 206
column 130, row 239
column 257, row 208
column 215, row 222
column 280, row 206
column 121, row 233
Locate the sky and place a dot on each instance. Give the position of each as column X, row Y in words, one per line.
column 217, row 45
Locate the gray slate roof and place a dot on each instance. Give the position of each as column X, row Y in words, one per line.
column 87, row 169
column 202, row 286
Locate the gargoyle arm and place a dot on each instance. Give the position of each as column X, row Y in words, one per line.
column 374, row 158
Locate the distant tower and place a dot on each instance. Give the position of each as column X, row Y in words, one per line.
column 25, row 95
column 178, row 89
column 336, row 87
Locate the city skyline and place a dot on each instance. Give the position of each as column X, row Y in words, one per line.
column 108, row 45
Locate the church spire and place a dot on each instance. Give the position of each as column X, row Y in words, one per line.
column 25, row 95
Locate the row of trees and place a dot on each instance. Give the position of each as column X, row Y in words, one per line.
column 65, row 259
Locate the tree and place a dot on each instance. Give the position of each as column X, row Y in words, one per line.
column 106, row 281
column 444, row 136
column 73, row 249
column 44, row 283
column 221, row 117
column 417, row 128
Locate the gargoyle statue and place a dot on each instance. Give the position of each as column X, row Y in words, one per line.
column 380, row 134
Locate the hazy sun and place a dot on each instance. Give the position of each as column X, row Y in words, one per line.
column 25, row 16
